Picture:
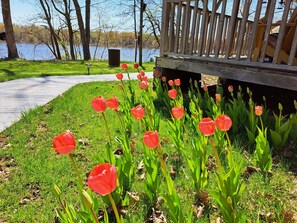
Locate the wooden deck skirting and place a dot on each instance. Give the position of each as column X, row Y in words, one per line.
column 201, row 32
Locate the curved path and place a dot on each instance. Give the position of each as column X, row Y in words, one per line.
column 18, row 96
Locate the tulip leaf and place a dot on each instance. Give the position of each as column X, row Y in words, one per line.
column 276, row 138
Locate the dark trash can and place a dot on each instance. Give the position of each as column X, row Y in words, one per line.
column 114, row 57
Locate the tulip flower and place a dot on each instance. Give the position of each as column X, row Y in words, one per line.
column 207, row 126
column 205, row 88
column 156, row 73
column 119, row 76
column 99, row 104
column 163, row 78
column 103, row 179
column 142, row 73
column 136, row 65
column 64, row 143
column 172, row 93
column 144, row 78
column 151, row 139
column 113, row 103
column 171, row 83
column 218, row 98
column 177, row 82
column 137, row 112
column 124, row 66
column 258, row 110
column 139, row 77
column 144, row 85
column 223, row 122
column 178, row 112
column 230, row 88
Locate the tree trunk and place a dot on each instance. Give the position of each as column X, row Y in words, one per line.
column 10, row 40
column 88, row 16
column 85, row 45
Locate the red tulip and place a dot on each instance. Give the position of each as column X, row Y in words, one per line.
column 144, row 85
column 139, row 77
column 64, row 143
column 171, row 83
column 156, row 73
column 178, row 112
column 218, row 98
column 99, row 104
column 223, row 122
column 177, row 82
column 230, row 88
column 137, row 112
column 259, row 110
column 119, row 76
column 113, row 103
column 136, row 65
column 144, row 78
column 103, row 179
column 205, row 88
column 124, row 66
column 163, row 78
column 151, row 139
column 172, row 93
column 207, row 126
column 142, row 73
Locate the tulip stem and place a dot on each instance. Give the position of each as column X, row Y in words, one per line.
column 94, row 215
column 216, row 154
column 163, row 165
column 262, row 126
column 77, row 171
column 230, row 148
column 121, row 121
column 106, row 125
column 114, row 207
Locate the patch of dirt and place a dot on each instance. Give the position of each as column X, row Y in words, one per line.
column 3, row 141
column 34, row 194
column 6, row 164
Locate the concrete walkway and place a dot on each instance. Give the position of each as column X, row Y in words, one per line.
column 20, row 95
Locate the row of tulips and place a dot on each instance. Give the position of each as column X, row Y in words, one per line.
column 114, row 178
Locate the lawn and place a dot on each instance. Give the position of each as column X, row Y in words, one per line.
column 29, row 167
column 10, row 70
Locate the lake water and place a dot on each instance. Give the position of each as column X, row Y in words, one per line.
column 41, row 52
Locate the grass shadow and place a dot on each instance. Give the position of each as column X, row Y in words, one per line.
column 7, row 72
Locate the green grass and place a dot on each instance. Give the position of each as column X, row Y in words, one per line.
column 10, row 70
column 32, row 167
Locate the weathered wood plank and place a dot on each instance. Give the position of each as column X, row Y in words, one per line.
column 220, row 29
column 194, row 26
column 267, row 31
column 171, row 27
column 183, row 33
column 211, row 26
column 197, row 31
column 281, row 33
column 293, row 49
column 231, row 30
column 186, row 27
column 254, row 31
column 203, row 27
column 242, row 29
column 165, row 25
column 177, row 38
column 269, row 76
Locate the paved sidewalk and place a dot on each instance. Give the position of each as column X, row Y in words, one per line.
column 20, row 95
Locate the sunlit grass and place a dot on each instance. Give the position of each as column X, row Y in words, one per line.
column 10, row 70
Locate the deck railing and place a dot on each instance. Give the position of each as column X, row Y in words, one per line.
column 230, row 29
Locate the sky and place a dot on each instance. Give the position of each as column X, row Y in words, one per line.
column 22, row 11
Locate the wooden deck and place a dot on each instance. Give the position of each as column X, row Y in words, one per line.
column 200, row 36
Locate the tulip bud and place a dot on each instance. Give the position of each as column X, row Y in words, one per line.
column 57, row 191
column 295, row 104
column 87, row 199
column 280, row 107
